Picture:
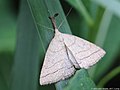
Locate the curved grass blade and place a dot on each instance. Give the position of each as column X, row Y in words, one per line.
column 80, row 81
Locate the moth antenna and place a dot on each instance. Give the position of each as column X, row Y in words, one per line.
column 64, row 19
column 45, row 27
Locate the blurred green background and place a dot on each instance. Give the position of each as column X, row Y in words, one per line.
column 24, row 41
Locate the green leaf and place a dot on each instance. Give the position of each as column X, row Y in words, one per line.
column 26, row 67
column 80, row 7
column 80, row 81
column 7, row 27
column 111, row 46
column 109, row 76
column 102, row 34
column 113, row 5
column 7, row 42
column 107, row 34
column 6, row 60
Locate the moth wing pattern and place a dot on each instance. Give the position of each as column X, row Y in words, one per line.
column 85, row 53
column 56, row 64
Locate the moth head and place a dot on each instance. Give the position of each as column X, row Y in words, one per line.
column 52, row 18
column 55, row 15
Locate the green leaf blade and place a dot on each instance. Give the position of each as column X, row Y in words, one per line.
column 80, row 81
column 113, row 5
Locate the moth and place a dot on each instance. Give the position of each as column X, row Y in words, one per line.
column 65, row 54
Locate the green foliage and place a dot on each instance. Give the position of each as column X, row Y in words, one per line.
column 80, row 81
column 109, row 76
column 97, row 21
column 7, row 43
column 7, row 27
column 25, row 69
column 113, row 5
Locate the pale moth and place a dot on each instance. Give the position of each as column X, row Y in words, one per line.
column 65, row 54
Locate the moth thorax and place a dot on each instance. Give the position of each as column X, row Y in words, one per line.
column 58, row 35
column 56, row 31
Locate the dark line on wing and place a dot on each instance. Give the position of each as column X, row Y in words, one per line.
column 79, row 46
column 54, row 64
column 55, row 71
column 84, row 50
column 90, row 54
column 70, row 60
